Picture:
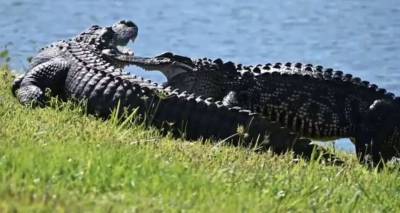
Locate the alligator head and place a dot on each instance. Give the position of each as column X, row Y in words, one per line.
column 110, row 42
column 198, row 76
column 169, row 64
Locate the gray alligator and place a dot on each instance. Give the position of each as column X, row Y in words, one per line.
column 312, row 101
column 88, row 68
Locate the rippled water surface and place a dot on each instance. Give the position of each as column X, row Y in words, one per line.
column 360, row 37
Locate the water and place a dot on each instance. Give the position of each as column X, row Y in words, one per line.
column 360, row 37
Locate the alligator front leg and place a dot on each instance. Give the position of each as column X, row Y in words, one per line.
column 29, row 89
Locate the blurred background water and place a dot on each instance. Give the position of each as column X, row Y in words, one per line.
column 360, row 37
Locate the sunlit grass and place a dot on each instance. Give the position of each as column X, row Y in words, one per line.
column 59, row 159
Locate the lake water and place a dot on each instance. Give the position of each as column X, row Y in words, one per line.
column 360, row 37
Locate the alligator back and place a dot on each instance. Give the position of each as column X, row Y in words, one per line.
column 315, row 102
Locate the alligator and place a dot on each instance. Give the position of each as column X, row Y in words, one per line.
column 312, row 101
column 88, row 68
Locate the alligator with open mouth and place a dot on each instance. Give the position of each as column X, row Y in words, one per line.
column 89, row 66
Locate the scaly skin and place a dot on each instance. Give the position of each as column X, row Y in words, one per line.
column 312, row 101
column 82, row 69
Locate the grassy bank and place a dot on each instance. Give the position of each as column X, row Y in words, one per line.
column 59, row 159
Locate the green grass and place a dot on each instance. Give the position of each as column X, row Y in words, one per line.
column 58, row 159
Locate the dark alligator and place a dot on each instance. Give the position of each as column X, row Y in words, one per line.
column 85, row 68
column 312, row 101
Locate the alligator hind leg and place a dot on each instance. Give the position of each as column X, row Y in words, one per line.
column 29, row 89
column 304, row 148
column 281, row 140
